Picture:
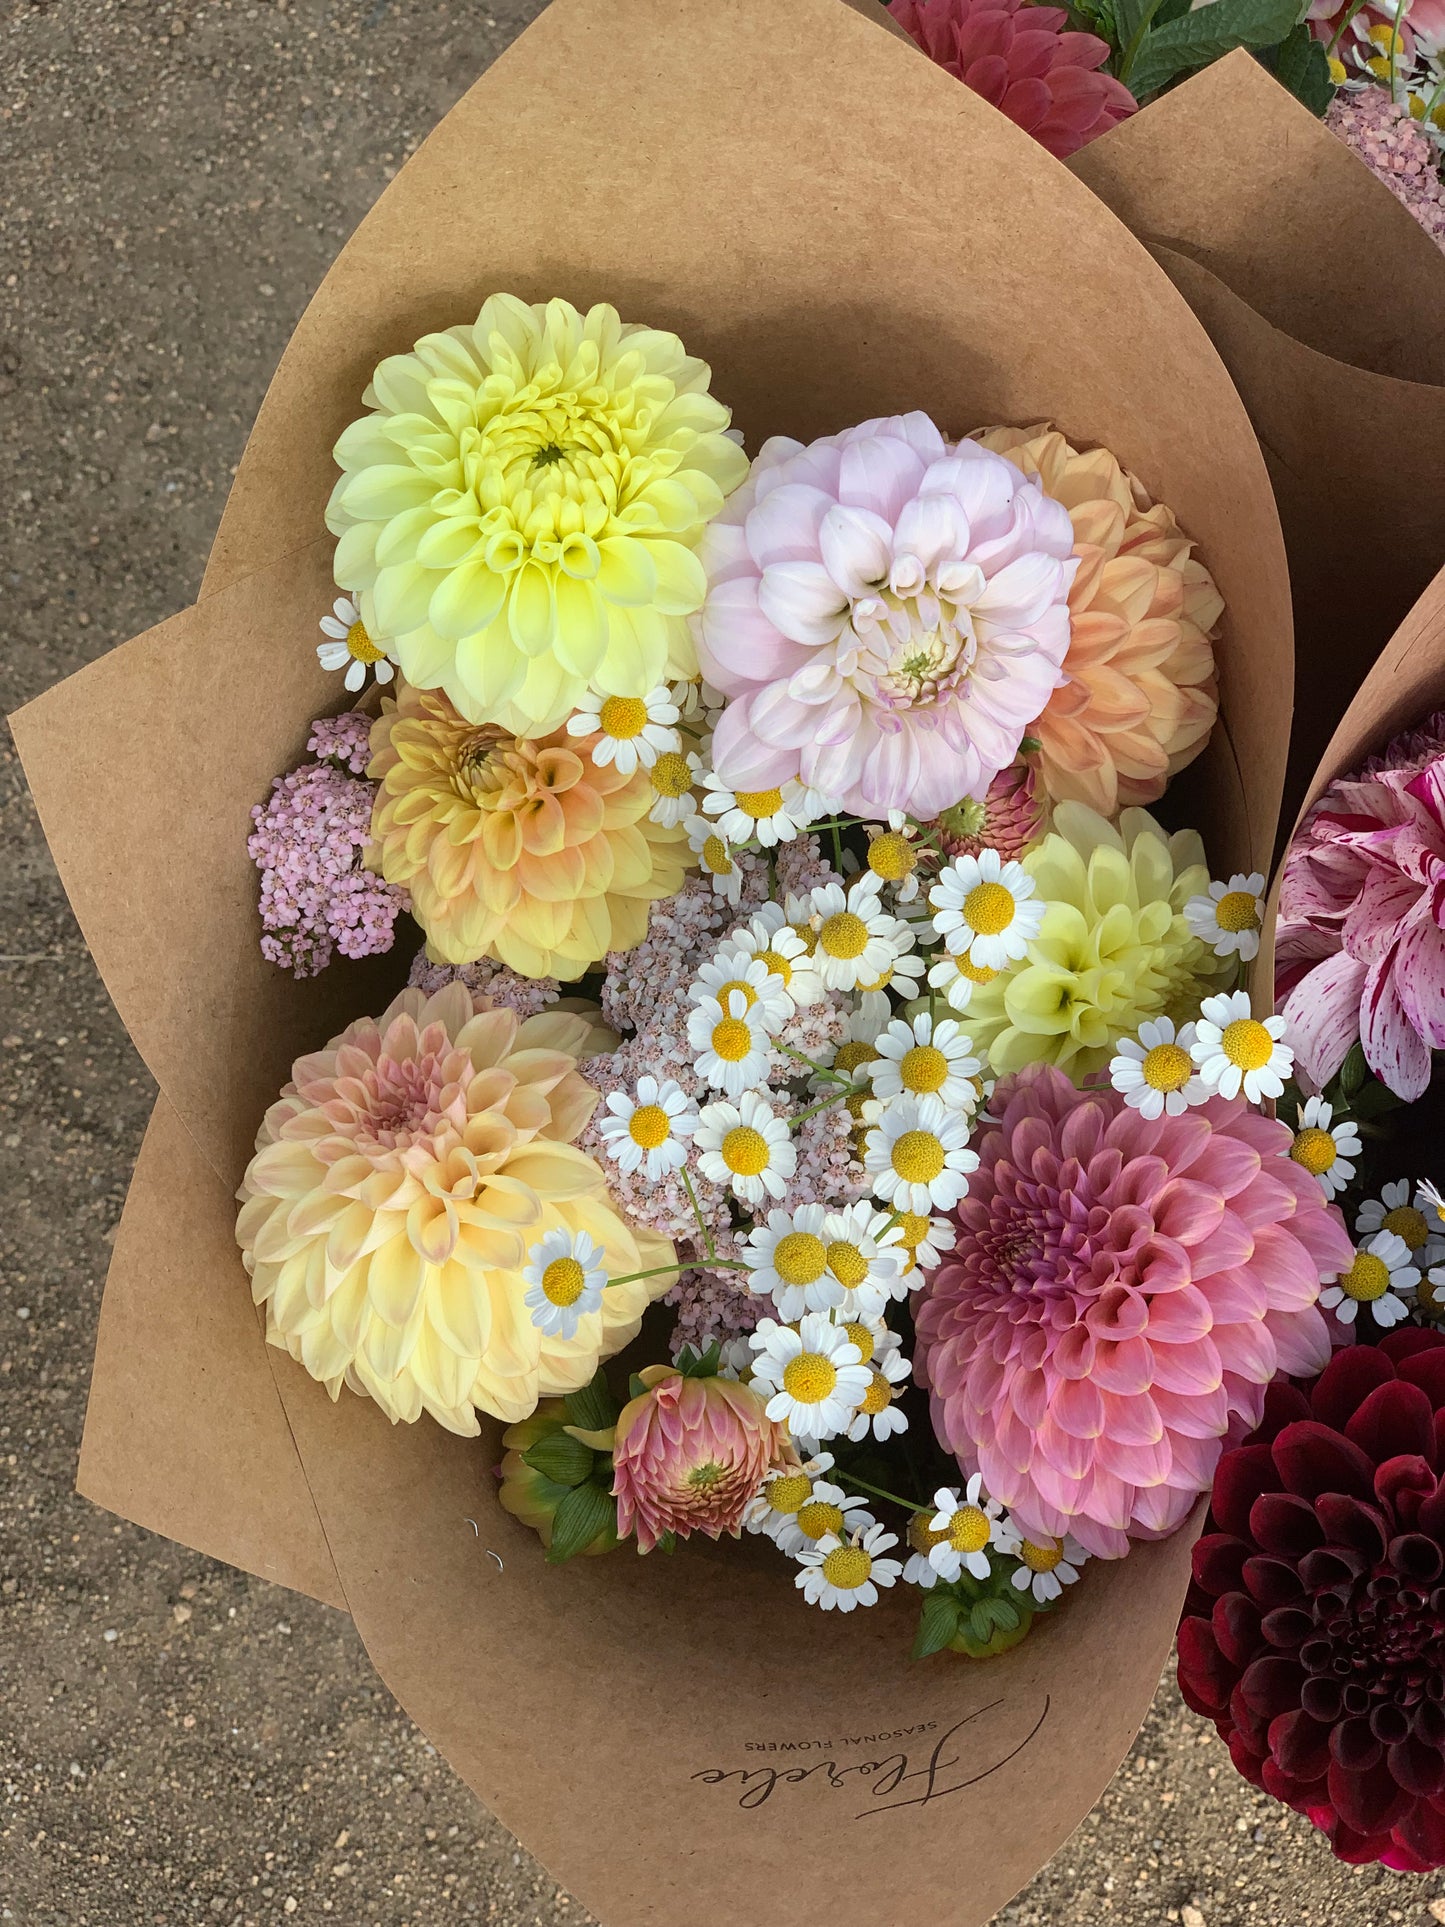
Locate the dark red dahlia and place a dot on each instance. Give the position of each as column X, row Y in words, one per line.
column 1314, row 1632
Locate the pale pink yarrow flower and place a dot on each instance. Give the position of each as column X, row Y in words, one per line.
column 887, row 612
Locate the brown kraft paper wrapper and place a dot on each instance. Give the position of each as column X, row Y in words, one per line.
column 734, row 171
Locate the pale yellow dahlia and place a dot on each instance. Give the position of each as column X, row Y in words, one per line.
column 1113, row 949
column 1139, row 697
column 528, row 852
column 519, row 511
column 399, row 1182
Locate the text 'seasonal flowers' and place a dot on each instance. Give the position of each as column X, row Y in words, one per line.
column 1121, row 1292
column 887, row 612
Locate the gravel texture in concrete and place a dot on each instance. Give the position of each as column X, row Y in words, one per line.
column 181, row 1744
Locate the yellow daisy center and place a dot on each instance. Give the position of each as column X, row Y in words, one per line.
column 799, row 1258
column 789, row 1493
column 649, row 1126
column 847, row 1567
column 818, row 1518
column 892, row 857
column 844, row 936
column 731, row 1040
column 1428, row 1296
column 853, row 1056
column 759, row 803
column 1408, row 1223
column 745, row 1151
column 1247, row 1044
column 848, row 1266
column 1367, row 1279
column 912, row 1228
column 1314, row 1149
column 878, row 1397
column 623, row 717
column 880, row 982
column 809, row 1378
column 725, row 991
column 968, row 1529
column 715, row 857
column 776, row 965
column 1167, row 1068
column 921, row 1536
column 862, row 1337
column 1041, row 1558
column 918, row 1157
column 989, row 908
column 563, row 1282
column 671, row 775
column 922, row 1069
column 806, row 935
column 360, row 645
column 1237, row 910
column 975, row 973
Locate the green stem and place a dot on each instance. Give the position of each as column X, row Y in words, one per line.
column 1130, row 53
column 1355, row 7
column 878, row 1492
column 823, row 1104
column 702, row 1225
column 818, row 1070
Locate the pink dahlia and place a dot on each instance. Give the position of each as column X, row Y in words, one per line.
column 1010, row 817
column 689, row 1454
column 887, row 612
column 1361, row 940
column 1025, row 61
column 1120, row 1295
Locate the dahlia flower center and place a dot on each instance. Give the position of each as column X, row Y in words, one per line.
column 918, row 1157
column 547, row 471
column 1407, row 1223
column 360, row 646
column 844, row 936
column 818, row 1518
column 922, row 665
column 878, row 1397
column 853, row 1056
column 715, row 857
column 745, row 1151
column 623, row 717
column 1168, row 1067
column 1314, row 1149
column 848, row 1266
column 1367, row 1279
column 404, row 1103
column 862, row 1337
column 968, row 1529
column 847, row 1567
column 776, row 966
column 731, row 1040
column 759, row 803
column 923, row 1069
column 989, row 908
column 965, row 820
column 649, row 1126
column 800, row 1258
column 892, row 857
column 789, row 1493
column 1237, row 910
column 1041, row 1558
column 1247, row 1044
column 809, row 1378
column 563, row 1282
column 671, row 775
column 703, row 1477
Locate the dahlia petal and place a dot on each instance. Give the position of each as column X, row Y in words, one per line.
column 1350, row 1522
column 1311, row 1459
column 879, row 473
column 1271, row 1685
column 1394, row 1418
column 1284, row 1523
column 1217, row 1561
column 1300, row 1744
column 1322, row 1016
column 1346, row 1382
column 1242, row 1476
column 784, row 526
column 1422, row 1832
column 802, row 601
column 1206, row 1677
column 1394, row 1049
column 1368, row 1800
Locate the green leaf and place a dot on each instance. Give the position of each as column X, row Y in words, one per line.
column 1204, row 35
column 587, row 1511
column 561, row 1458
column 937, row 1623
column 594, row 1408
column 1132, row 20
column 695, row 1364
column 1301, row 64
column 636, row 1386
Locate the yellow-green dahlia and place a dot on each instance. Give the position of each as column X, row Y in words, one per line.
column 518, row 512
column 1113, row 950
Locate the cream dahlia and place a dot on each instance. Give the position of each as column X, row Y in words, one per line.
column 520, row 508
column 529, row 852
column 1121, row 1293
column 690, row 1455
column 1139, row 697
column 400, row 1181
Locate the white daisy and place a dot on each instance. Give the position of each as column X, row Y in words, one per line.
column 957, row 978
column 714, row 858
column 1430, row 1296
column 733, row 968
column 650, row 1129
column 848, row 1573
column 787, row 1259
column 1229, row 917
column 924, row 1240
column 629, row 729
column 1381, row 1269
column 917, row 1155
column 756, row 816
column 697, row 701
column 1415, row 1221
column 924, row 1057
column 893, row 856
column 565, row 1272
column 985, row 909
column 784, row 955
column 731, row 1045
column 967, row 1525
column 827, row 1512
column 782, row 1495
column 904, row 975
column 746, row 1146
column 1156, row 1073
column 877, row 1413
column 854, row 934
column 1236, row 1050
column 815, row 1375
column 866, row 1260
column 1044, row 1568
column 1325, row 1149
column 349, row 647
column 673, row 798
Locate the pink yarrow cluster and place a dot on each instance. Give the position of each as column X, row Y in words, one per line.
column 1396, row 148
column 308, row 843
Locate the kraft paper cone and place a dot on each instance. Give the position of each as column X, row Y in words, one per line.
column 610, row 1711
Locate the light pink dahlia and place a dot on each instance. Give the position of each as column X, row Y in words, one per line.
column 689, row 1454
column 887, row 612
column 1120, row 1295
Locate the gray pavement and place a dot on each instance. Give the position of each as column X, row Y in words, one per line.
column 181, row 1744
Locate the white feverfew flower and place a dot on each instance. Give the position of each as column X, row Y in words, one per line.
column 1228, row 918
column 630, row 730
column 787, row 1259
column 967, row 1526
column 747, row 1147
column 1045, row 1567
column 918, row 1157
column 828, row 1512
column 904, row 976
column 734, row 969
column 784, row 955
column 1155, row 1074
column 1237, row 1051
column 731, row 1045
column 565, row 1274
column 866, row 1260
column 957, row 978
column 767, row 817
column 815, row 1375
column 349, row 647
column 650, row 1130
column 1325, row 1149
column 923, row 1241
column 785, row 1490
column 986, row 910
column 714, row 858
column 672, row 775
column 1414, row 1220
column 843, row 1574
column 855, row 943
column 877, row 1412
column 925, row 1058
column 1379, row 1277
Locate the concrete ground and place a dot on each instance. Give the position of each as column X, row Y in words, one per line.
column 180, row 1744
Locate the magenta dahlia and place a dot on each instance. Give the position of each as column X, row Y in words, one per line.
column 1025, row 61
column 1120, row 1294
column 1314, row 1632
